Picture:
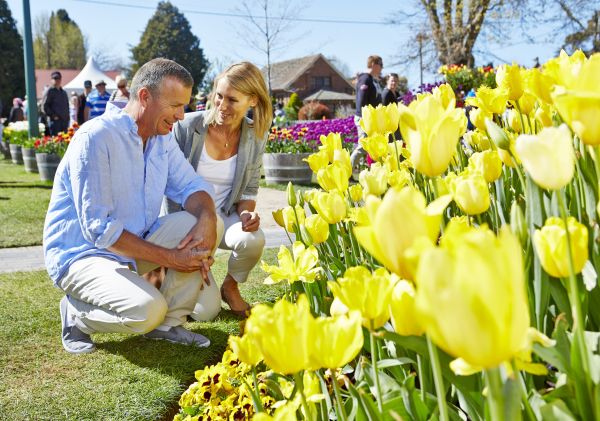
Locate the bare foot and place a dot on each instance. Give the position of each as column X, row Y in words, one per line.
column 230, row 293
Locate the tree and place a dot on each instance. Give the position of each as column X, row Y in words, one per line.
column 12, row 70
column 58, row 42
column 587, row 38
column 264, row 31
column 168, row 34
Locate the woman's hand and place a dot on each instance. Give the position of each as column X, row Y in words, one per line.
column 250, row 221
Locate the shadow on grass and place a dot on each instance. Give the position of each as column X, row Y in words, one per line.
column 18, row 185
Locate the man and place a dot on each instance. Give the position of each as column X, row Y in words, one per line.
column 102, row 228
column 56, row 105
column 95, row 104
column 87, row 88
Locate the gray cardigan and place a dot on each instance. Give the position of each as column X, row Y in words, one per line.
column 190, row 134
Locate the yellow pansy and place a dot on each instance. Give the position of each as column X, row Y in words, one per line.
column 298, row 265
column 471, row 295
column 551, row 246
column 549, row 156
column 405, row 213
column 487, row 163
column 402, row 310
column 431, row 132
column 317, row 228
column 331, row 206
column 369, row 293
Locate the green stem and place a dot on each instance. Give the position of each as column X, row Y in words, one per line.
column 258, row 402
column 300, row 385
column 338, row 396
column 438, row 380
column 375, row 371
column 494, row 395
column 422, row 380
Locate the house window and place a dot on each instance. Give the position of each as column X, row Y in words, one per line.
column 320, row 82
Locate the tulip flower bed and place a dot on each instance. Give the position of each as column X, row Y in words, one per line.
column 305, row 136
column 456, row 281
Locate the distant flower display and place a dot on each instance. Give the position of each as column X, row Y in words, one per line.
column 305, row 136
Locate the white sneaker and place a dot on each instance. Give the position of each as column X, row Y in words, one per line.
column 179, row 335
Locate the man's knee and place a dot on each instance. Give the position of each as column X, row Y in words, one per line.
column 147, row 315
column 206, row 310
column 252, row 243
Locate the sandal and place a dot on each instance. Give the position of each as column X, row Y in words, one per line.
column 243, row 313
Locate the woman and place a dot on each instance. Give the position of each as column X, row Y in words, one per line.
column 120, row 97
column 226, row 149
column 390, row 94
column 73, row 107
column 16, row 112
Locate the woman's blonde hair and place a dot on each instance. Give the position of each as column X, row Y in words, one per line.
column 247, row 79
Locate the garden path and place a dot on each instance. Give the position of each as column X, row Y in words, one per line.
column 31, row 258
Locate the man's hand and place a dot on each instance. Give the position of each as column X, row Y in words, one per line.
column 191, row 260
column 200, row 242
column 250, row 221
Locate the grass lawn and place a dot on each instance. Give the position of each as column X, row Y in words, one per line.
column 23, row 203
column 127, row 378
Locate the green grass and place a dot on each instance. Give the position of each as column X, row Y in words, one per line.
column 127, row 378
column 23, row 203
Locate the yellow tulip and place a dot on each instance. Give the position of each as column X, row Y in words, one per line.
column 477, row 139
column 341, row 157
column 487, row 163
column 374, row 180
column 564, row 69
column 471, row 295
column 478, row 117
column 539, row 84
column 383, row 119
column 290, row 327
column 402, row 310
column 331, row 206
column 330, row 143
column 356, row 192
column 551, row 246
column 369, row 293
column 549, row 156
column 579, row 104
column 526, row 103
column 405, row 213
column 317, row 160
column 278, row 217
column 543, row 115
column 301, row 266
column 333, row 177
column 470, row 192
column 375, row 145
column 245, row 349
column 490, row 100
column 317, row 228
column 445, row 95
column 337, row 340
column 516, row 123
column 399, row 178
column 431, row 132
column 288, row 217
column 509, row 79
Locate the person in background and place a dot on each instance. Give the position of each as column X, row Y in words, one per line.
column 190, row 106
column 390, row 93
column 87, row 88
column 120, row 97
column 73, row 107
column 102, row 228
column 95, row 104
column 226, row 149
column 16, row 112
column 202, row 100
column 55, row 104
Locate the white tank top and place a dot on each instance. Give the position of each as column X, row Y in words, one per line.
column 220, row 173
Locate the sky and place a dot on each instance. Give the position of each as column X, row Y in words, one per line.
column 359, row 30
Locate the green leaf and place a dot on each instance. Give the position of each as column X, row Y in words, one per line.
column 556, row 411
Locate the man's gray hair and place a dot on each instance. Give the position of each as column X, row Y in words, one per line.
column 151, row 75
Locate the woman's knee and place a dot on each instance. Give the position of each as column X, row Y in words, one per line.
column 250, row 243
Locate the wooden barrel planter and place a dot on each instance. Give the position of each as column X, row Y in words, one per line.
column 280, row 168
column 16, row 154
column 47, row 164
column 29, row 160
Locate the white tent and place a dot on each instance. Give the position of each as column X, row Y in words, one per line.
column 92, row 72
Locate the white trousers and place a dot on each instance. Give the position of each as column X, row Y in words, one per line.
column 246, row 250
column 107, row 296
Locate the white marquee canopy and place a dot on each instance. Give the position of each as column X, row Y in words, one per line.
column 92, row 72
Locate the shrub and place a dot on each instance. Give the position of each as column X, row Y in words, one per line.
column 314, row 111
column 292, row 107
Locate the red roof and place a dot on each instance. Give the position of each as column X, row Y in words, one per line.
column 42, row 77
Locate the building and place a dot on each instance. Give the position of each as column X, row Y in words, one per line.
column 306, row 76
